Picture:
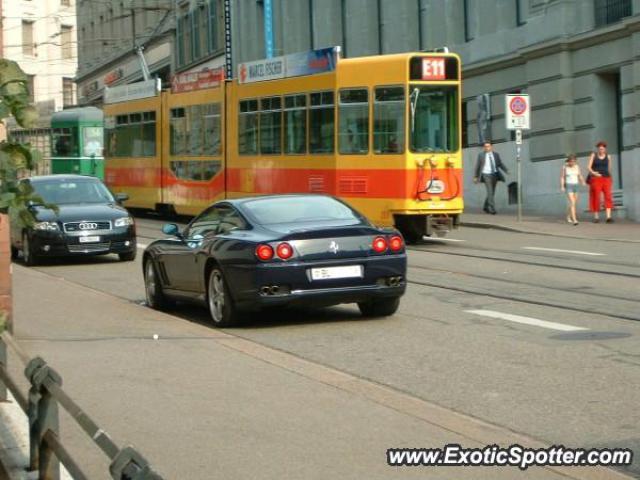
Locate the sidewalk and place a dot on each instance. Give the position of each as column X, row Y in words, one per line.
column 620, row 231
column 201, row 403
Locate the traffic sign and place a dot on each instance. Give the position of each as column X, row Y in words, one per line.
column 517, row 111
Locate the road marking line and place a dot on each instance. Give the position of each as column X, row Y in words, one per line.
column 439, row 239
column 577, row 252
column 142, row 245
column 527, row 320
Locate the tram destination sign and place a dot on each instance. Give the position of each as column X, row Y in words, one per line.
column 189, row 81
column 293, row 65
column 132, row 91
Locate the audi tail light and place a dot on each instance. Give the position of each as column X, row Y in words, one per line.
column 284, row 251
column 264, row 252
column 379, row 244
column 396, row 243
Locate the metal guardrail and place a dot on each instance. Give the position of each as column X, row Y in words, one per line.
column 41, row 407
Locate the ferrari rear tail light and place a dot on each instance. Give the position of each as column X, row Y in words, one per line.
column 284, row 251
column 379, row 244
column 264, row 252
column 396, row 243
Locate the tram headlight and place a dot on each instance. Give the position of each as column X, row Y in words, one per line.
column 123, row 222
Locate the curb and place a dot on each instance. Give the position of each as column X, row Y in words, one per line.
column 504, row 228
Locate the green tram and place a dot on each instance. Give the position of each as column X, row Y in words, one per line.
column 77, row 142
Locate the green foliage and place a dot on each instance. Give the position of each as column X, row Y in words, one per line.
column 3, row 321
column 16, row 158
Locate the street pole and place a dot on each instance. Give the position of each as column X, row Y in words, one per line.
column 519, row 171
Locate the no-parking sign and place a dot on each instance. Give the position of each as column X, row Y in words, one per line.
column 517, row 111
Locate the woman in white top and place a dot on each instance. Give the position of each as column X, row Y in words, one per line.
column 570, row 179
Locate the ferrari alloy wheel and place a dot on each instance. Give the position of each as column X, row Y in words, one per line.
column 28, row 256
column 152, row 287
column 221, row 307
column 380, row 307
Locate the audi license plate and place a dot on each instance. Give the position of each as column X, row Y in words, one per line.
column 89, row 239
column 327, row 273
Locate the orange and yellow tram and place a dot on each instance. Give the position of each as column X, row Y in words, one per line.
column 382, row 133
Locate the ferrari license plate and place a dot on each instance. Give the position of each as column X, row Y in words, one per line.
column 327, row 273
column 89, row 239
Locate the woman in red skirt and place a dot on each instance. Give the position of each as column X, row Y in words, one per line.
column 600, row 182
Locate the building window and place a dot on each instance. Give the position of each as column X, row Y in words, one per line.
column 611, row 11
column 31, row 86
column 520, row 13
column 67, row 92
column 468, row 11
column 27, row 38
column 212, row 30
column 464, row 123
column 66, row 41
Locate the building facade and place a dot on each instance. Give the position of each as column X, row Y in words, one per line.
column 41, row 37
column 176, row 36
column 110, row 35
column 575, row 58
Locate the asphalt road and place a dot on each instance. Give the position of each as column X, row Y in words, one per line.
column 535, row 335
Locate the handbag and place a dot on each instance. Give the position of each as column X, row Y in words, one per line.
column 588, row 179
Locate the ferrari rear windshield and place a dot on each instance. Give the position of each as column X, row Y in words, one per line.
column 293, row 209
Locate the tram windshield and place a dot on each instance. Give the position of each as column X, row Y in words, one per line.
column 64, row 142
column 92, row 141
column 433, row 117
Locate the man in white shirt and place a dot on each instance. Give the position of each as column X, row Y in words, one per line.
column 487, row 171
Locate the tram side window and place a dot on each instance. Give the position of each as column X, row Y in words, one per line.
column 248, row 127
column 295, row 124
column 149, row 134
column 321, row 122
column 353, row 134
column 195, row 126
column 123, row 140
column 270, row 125
column 65, row 142
column 212, row 129
column 134, row 135
column 178, row 136
column 388, row 120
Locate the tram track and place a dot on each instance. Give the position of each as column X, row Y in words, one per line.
column 484, row 256
column 520, row 299
column 149, row 231
column 524, row 283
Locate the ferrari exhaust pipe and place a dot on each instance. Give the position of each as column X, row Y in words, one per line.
column 275, row 289
column 265, row 290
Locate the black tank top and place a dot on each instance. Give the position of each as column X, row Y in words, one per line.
column 601, row 165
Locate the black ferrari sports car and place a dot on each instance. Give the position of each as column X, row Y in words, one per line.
column 246, row 254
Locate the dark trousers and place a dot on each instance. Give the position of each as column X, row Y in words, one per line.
column 490, row 184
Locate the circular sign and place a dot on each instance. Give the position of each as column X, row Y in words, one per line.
column 518, row 105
